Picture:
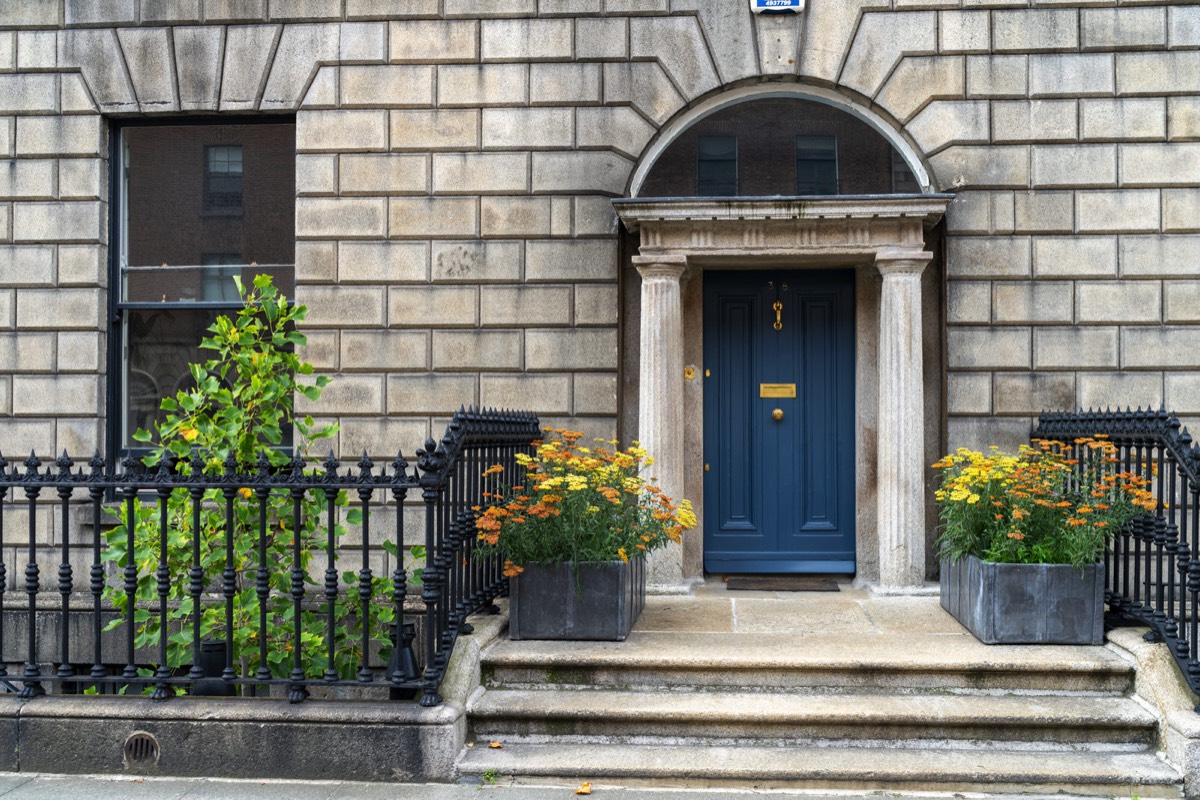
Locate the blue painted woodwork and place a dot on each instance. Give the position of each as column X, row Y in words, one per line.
column 779, row 495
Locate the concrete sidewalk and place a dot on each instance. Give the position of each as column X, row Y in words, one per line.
column 103, row 787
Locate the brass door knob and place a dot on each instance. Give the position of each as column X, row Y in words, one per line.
column 777, row 414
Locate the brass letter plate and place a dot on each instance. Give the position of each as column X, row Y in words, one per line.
column 777, row 390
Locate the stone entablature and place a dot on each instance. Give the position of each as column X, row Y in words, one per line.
column 842, row 226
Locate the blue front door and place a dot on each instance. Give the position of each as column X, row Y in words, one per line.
column 779, row 421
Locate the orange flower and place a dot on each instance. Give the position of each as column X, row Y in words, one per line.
column 511, row 570
column 245, row 492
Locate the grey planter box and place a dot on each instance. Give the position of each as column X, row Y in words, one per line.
column 546, row 602
column 1025, row 603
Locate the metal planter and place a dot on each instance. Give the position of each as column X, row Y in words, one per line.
column 598, row 600
column 1025, row 603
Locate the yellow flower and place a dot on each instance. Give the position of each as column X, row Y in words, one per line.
column 245, row 492
column 686, row 515
column 621, row 554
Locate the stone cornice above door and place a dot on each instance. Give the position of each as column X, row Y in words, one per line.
column 847, row 226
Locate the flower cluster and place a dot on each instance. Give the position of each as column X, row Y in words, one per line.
column 1050, row 503
column 576, row 504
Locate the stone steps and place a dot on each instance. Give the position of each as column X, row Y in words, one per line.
column 831, row 768
column 873, row 664
column 613, row 715
column 906, row 713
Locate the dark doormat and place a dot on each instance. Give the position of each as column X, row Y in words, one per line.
column 780, row 583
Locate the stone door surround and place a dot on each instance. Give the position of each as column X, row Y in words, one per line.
column 680, row 235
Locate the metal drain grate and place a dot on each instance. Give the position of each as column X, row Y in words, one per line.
column 141, row 750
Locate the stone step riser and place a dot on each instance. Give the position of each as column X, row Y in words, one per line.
column 827, row 784
column 990, row 770
column 633, row 677
column 486, row 729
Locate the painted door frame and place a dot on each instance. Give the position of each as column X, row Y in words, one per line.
column 883, row 238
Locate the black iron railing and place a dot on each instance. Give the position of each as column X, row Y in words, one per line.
column 288, row 572
column 1152, row 567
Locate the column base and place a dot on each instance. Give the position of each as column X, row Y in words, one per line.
column 928, row 589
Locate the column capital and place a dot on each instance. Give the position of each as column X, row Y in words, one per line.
column 666, row 266
column 902, row 261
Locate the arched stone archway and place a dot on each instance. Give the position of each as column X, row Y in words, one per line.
column 883, row 239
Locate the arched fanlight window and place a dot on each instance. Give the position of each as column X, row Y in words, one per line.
column 779, row 146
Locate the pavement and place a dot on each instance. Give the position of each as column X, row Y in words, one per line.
column 16, row 786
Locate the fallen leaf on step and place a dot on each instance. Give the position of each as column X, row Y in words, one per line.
column 495, row 745
column 584, row 788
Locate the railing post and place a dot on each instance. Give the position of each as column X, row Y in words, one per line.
column 162, row 690
column 130, row 576
column 31, row 672
column 96, row 493
column 297, row 691
column 65, row 577
column 399, row 574
column 365, row 579
column 431, row 463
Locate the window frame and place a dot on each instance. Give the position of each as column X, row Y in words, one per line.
column 117, row 329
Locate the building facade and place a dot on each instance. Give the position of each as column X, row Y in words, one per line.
column 591, row 209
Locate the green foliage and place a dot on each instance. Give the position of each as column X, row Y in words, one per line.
column 237, row 412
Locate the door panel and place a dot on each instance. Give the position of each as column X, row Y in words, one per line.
column 738, row 498
column 779, row 492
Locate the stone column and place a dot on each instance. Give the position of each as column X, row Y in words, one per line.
column 660, row 393
column 901, row 445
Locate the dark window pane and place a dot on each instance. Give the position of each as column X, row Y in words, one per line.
column 223, row 178
column 717, row 147
column 765, row 132
column 816, row 165
column 716, row 166
column 178, row 176
column 217, row 281
column 199, row 206
column 903, row 180
column 161, row 344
